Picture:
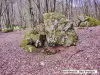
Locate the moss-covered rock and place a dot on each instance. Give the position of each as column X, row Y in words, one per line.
column 57, row 26
column 5, row 30
column 33, row 39
column 10, row 29
column 29, row 36
column 71, row 38
column 84, row 24
column 25, row 42
column 56, row 30
column 29, row 48
column 92, row 21
column 87, row 21
column 52, row 20
column 26, row 47
column 16, row 27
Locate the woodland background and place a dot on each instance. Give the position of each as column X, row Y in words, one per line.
column 29, row 12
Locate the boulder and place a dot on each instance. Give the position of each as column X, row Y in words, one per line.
column 57, row 30
column 28, row 43
column 86, row 21
column 32, row 41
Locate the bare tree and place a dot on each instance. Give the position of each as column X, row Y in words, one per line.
column 54, row 6
column 0, row 13
column 46, row 6
column 30, row 12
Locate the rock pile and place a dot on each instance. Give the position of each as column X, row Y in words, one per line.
column 86, row 21
column 57, row 30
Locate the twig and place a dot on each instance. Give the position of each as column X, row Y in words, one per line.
column 74, row 54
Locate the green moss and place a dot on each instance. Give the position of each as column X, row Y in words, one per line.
column 46, row 16
column 10, row 29
column 53, row 16
column 24, row 43
column 56, row 33
column 55, row 30
column 82, row 24
column 59, row 40
column 35, row 36
column 70, row 41
column 16, row 27
column 92, row 21
column 27, row 35
column 63, row 21
column 32, row 36
column 29, row 48
column 5, row 30
column 58, row 16
column 35, row 31
column 72, row 38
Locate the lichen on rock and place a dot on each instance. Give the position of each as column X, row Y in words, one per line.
column 29, row 48
column 28, row 42
column 57, row 26
column 87, row 21
column 56, row 30
column 33, row 39
column 92, row 21
column 71, row 38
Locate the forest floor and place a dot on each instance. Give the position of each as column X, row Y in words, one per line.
column 84, row 56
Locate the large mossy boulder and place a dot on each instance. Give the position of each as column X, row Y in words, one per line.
column 57, row 30
column 86, row 21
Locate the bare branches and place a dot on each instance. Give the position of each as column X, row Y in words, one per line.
column 31, row 11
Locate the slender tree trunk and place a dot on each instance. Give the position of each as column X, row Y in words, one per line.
column 31, row 13
column 54, row 6
column 0, row 14
column 66, row 10
column 46, row 6
column 8, row 17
